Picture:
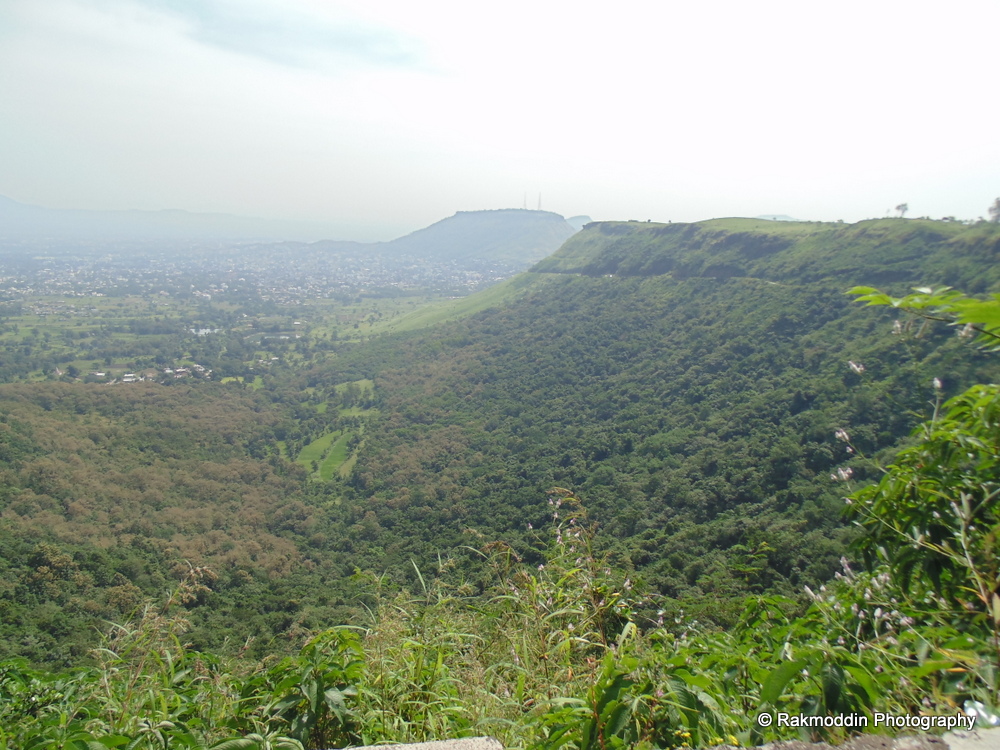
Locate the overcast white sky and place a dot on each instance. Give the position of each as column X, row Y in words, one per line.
column 387, row 115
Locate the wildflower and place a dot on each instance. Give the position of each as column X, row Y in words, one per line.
column 857, row 367
column 897, row 327
column 842, row 435
column 530, row 527
column 966, row 332
column 937, row 384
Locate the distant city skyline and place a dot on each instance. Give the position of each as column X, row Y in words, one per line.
column 379, row 117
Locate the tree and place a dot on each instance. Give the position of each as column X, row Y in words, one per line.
column 903, row 208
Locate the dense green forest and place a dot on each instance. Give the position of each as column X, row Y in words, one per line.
column 609, row 511
column 696, row 415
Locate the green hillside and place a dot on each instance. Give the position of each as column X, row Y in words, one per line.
column 693, row 409
column 504, row 293
column 599, row 505
column 889, row 251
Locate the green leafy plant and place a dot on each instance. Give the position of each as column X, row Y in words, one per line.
column 934, row 517
column 312, row 690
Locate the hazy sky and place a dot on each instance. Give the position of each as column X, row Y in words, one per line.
column 387, row 115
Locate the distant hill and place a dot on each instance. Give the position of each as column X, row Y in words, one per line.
column 513, row 236
column 516, row 236
column 509, row 234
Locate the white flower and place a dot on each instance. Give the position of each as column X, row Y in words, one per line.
column 937, row 384
column 857, row 367
column 842, row 435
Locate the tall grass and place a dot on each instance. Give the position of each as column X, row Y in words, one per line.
column 548, row 656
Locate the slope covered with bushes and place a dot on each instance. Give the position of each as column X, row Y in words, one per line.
column 695, row 410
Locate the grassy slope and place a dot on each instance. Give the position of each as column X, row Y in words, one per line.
column 882, row 251
column 506, row 292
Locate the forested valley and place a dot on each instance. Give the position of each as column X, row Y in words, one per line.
column 670, row 478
